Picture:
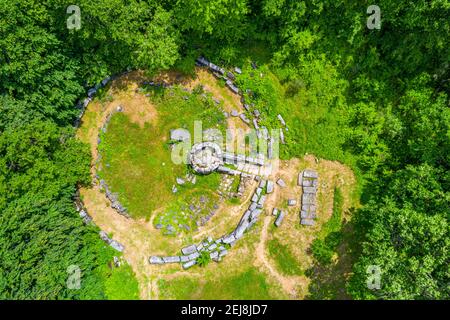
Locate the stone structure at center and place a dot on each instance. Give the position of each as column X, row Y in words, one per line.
column 205, row 157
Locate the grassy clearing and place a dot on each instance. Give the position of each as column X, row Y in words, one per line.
column 324, row 247
column 284, row 259
column 136, row 161
column 249, row 284
column 121, row 284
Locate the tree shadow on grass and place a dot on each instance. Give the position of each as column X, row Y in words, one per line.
column 328, row 280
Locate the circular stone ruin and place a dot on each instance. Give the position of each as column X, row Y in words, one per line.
column 205, row 157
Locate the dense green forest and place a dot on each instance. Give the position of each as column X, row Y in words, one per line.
column 388, row 88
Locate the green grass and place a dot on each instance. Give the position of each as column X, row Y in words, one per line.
column 247, row 285
column 136, row 162
column 121, row 284
column 316, row 125
column 285, row 261
column 324, row 247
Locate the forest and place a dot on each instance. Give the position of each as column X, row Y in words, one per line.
column 385, row 90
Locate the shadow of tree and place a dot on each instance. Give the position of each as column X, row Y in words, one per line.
column 328, row 280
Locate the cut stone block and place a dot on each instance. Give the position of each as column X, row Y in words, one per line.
column 189, row 264
column 308, row 173
column 279, row 219
column 275, row 211
column 156, row 260
column 172, row 259
column 307, row 222
column 269, row 187
column 309, row 190
column 189, row 249
column 281, row 183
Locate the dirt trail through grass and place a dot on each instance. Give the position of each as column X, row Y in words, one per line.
column 288, row 284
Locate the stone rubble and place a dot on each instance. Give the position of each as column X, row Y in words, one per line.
column 218, row 248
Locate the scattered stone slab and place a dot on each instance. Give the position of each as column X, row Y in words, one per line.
column 292, row 202
column 193, row 256
column 262, row 184
column 223, row 252
column 262, row 200
column 255, row 124
column 275, row 212
column 281, row 183
column 180, row 181
column 309, row 190
column 179, row 134
column 229, row 239
column 255, row 213
column 117, row 246
column 281, row 120
column 104, row 237
column 244, row 118
column 156, row 260
column 184, row 259
column 279, row 219
column 214, row 255
column 282, row 136
column 269, row 187
column 307, row 222
column 310, row 174
column 234, row 113
column 189, row 264
column 189, row 249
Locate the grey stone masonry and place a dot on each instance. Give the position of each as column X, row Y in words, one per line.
column 282, row 136
column 279, row 218
column 179, row 134
column 300, row 179
column 262, row 184
column 262, row 200
column 172, row 259
column 244, row 118
column 116, row 245
column 307, row 222
column 189, row 264
column 156, row 260
column 281, row 183
column 281, row 120
column 229, row 238
column 113, row 243
column 269, row 186
column 193, row 256
column 189, row 249
column 309, row 182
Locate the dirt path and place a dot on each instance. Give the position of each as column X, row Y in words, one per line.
column 288, row 284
